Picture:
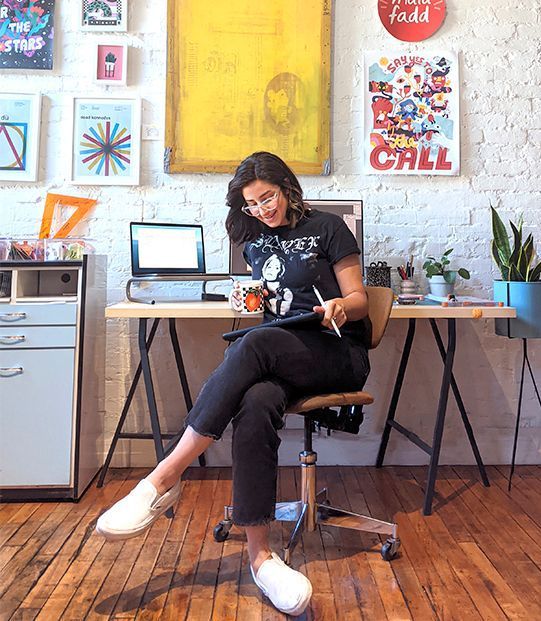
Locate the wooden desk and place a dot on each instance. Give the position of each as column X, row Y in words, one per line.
column 221, row 310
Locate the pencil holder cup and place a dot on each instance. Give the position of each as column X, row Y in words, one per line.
column 378, row 275
column 408, row 286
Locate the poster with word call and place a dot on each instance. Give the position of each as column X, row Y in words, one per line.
column 26, row 34
column 411, row 118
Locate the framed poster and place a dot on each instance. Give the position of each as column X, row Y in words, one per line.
column 411, row 114
column 20, row 116
column 111, row 63
column 103, row 15
column 245, row 77
column 106, row 141
column 26, row 34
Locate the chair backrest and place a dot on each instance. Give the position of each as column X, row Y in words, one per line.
column 380, row 302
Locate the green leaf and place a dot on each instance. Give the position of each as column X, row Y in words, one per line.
column 515, row 275
column 447, row 252
column 496, row 254
column 517, row 245
column 505, row 272
column 449, row 276
column 500, row 236
column 535, row 274
column 464, row 273
column 426, row 264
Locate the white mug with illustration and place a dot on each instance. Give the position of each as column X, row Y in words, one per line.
column 246, row 297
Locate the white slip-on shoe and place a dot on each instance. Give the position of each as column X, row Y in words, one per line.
column 289, row 590
column 136, row 512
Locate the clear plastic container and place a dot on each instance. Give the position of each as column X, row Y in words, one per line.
column 5, row 247
column 26, row 249
column 67, row 249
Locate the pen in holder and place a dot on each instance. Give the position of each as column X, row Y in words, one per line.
column 378, row 274
column 407, row 284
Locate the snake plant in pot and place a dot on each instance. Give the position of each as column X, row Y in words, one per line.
column 520, row 285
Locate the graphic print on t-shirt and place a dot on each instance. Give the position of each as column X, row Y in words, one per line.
column 279, row 298
column 281, row 262
column 289, row 261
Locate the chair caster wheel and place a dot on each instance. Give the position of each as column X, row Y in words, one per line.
column 221, row 531
column 322, row 510
column 390, row 549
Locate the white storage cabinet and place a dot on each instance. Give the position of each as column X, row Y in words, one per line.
column 52, row 357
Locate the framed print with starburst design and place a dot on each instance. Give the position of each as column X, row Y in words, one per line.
column 106, row 141
column 19, row 136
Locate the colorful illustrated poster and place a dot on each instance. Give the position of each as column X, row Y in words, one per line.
column 19, row 136
column 245, row 77
column 101, row 15
column 26, row 34
column 106, row 141
column 411, row 114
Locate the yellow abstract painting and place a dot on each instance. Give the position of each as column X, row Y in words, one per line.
column 247, row 76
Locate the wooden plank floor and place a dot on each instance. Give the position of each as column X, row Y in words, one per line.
column 478, row 557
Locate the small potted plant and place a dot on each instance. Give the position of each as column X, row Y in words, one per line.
column 520, row 285
column 441, row 278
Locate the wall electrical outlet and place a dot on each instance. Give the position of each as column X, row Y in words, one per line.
column 152, row 132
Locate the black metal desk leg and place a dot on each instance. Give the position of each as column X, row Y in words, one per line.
column 126, row 408
column 462, row 409
column 396, row 392
column 440, row 418
column 182, row 373
column 149, row 389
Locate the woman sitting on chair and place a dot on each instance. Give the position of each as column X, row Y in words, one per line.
column 268, row 367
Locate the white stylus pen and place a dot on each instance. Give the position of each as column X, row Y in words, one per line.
column 321, row 301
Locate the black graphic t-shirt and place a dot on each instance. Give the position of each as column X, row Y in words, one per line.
column 291, row 261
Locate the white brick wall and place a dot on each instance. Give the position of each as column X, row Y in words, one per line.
column 500, row 133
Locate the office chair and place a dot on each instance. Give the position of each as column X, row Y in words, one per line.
column 314, row 508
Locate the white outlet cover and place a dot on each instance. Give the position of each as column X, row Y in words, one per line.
column 152, row 132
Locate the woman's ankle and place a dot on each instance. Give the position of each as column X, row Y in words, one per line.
column 162, row 481
column 259, row 558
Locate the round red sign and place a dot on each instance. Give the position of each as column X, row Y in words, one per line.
column 411, row 20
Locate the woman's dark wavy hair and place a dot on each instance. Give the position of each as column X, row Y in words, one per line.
column 265, row 167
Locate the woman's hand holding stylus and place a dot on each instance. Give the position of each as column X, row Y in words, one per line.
column 333, row 310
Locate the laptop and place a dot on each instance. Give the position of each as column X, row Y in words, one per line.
column 168, row 251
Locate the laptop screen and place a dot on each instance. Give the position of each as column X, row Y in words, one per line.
column 163, row 249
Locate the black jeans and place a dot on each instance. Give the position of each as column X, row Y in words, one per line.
column 260, row 374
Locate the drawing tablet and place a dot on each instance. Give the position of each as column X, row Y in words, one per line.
column 286, row 322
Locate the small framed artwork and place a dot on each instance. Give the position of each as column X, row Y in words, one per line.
column 106, row 141
column 111, row 63
column 103, row 15
column 20, row 116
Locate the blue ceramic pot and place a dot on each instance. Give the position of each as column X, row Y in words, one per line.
column 526, row 298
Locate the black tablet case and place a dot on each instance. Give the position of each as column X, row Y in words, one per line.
column 286, row 322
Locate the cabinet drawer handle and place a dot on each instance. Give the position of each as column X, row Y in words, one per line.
column 11, row 371
column 12, row 340
column 12, row 316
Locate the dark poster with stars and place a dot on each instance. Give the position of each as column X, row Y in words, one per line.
column 26, row 34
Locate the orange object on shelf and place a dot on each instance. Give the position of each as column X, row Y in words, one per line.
column 52, row 202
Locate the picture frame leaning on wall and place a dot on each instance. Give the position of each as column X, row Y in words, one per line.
column 20, row 120
column 105, row 145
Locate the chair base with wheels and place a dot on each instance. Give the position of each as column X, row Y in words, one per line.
column 314, row 508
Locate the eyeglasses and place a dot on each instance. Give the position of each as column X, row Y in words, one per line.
column 266, row 206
